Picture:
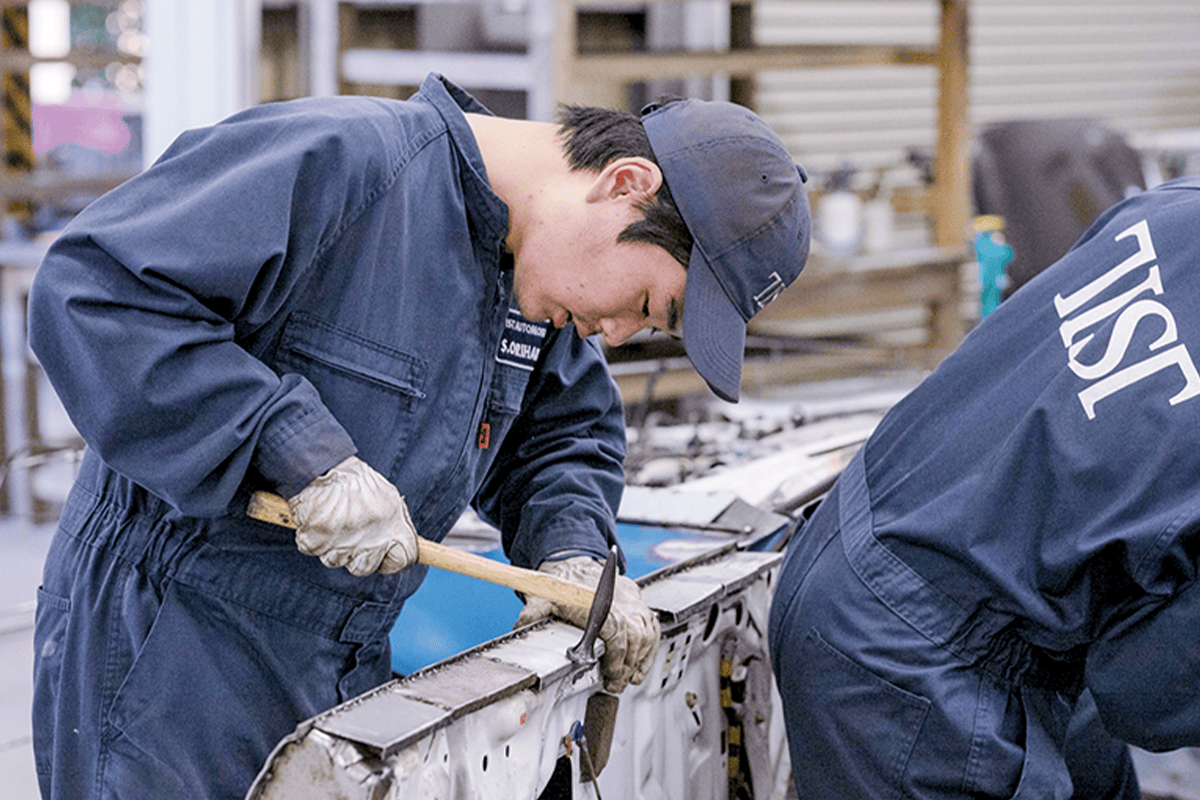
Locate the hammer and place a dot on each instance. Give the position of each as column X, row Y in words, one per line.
column 267, row 507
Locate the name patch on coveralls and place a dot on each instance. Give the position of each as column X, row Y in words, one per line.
column 521, row 342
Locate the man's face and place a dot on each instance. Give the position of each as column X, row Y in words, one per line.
column 571, row 270
column 578, row 273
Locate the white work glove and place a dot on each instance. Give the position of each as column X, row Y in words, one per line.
column 353, row 517
column 631, row 633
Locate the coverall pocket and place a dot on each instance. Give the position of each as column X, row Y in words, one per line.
column 214, row 686
column 860, row 731
column 49, row 642
column 371, row 388
column 503, row 405
column 1142, row 673
column 372, row 667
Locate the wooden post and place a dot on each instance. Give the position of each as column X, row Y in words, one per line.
column 347, row 25
column 952, row 193
column 571, row 85
column 564, row 50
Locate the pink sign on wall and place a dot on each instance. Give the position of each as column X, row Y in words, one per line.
column 89, row 119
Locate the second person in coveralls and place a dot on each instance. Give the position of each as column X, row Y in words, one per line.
column 1003, row 587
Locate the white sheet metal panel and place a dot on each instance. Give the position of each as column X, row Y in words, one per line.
column 496, row 721
column 1135, row 65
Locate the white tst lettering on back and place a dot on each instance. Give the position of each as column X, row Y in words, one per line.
column 1106, row 374
column 1066, row 306
column 1175, row 357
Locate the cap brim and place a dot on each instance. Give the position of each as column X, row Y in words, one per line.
column 714, row 333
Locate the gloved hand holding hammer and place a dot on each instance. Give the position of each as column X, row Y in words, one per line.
column 631, row 633
column 353, row 517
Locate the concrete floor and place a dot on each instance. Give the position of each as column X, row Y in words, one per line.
column 24, row 547
column 1170, row 775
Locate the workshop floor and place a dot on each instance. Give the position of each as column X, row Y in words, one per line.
column 1171, row 775
column 23, row 546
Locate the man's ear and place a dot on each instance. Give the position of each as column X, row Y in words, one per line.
column 633, row 178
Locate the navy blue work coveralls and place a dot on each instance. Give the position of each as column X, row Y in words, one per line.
column 301, row 282
column 1015, row 547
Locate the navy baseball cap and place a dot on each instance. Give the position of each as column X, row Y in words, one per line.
column 742, row 198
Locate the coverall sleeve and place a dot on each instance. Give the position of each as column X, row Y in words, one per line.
column 139, row 310
column 557, row 482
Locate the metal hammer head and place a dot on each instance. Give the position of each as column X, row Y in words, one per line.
column 583, row 653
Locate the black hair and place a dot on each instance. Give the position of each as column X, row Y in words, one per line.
column 594, row 137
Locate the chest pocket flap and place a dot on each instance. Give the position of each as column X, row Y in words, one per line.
column 374, row 391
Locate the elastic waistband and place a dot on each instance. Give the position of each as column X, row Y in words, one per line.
column 981, row 637
column 1013, row 660
column 241, row 561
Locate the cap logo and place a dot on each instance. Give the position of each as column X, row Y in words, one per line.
column 773, row 290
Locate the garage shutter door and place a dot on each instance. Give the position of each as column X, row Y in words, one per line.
column 1134, row 65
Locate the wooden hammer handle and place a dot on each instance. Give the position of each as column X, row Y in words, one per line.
column 267, row 507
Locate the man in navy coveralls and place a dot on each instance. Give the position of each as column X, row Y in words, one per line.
column 1001, row 589
column 369, row 307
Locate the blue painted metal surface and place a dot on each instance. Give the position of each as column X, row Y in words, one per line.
column 451, row 613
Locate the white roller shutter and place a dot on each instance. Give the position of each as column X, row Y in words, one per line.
column 1135, row 65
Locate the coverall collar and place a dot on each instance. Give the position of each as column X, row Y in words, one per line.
column 452, row 102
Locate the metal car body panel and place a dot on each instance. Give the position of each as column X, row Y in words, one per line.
column 514, row 717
